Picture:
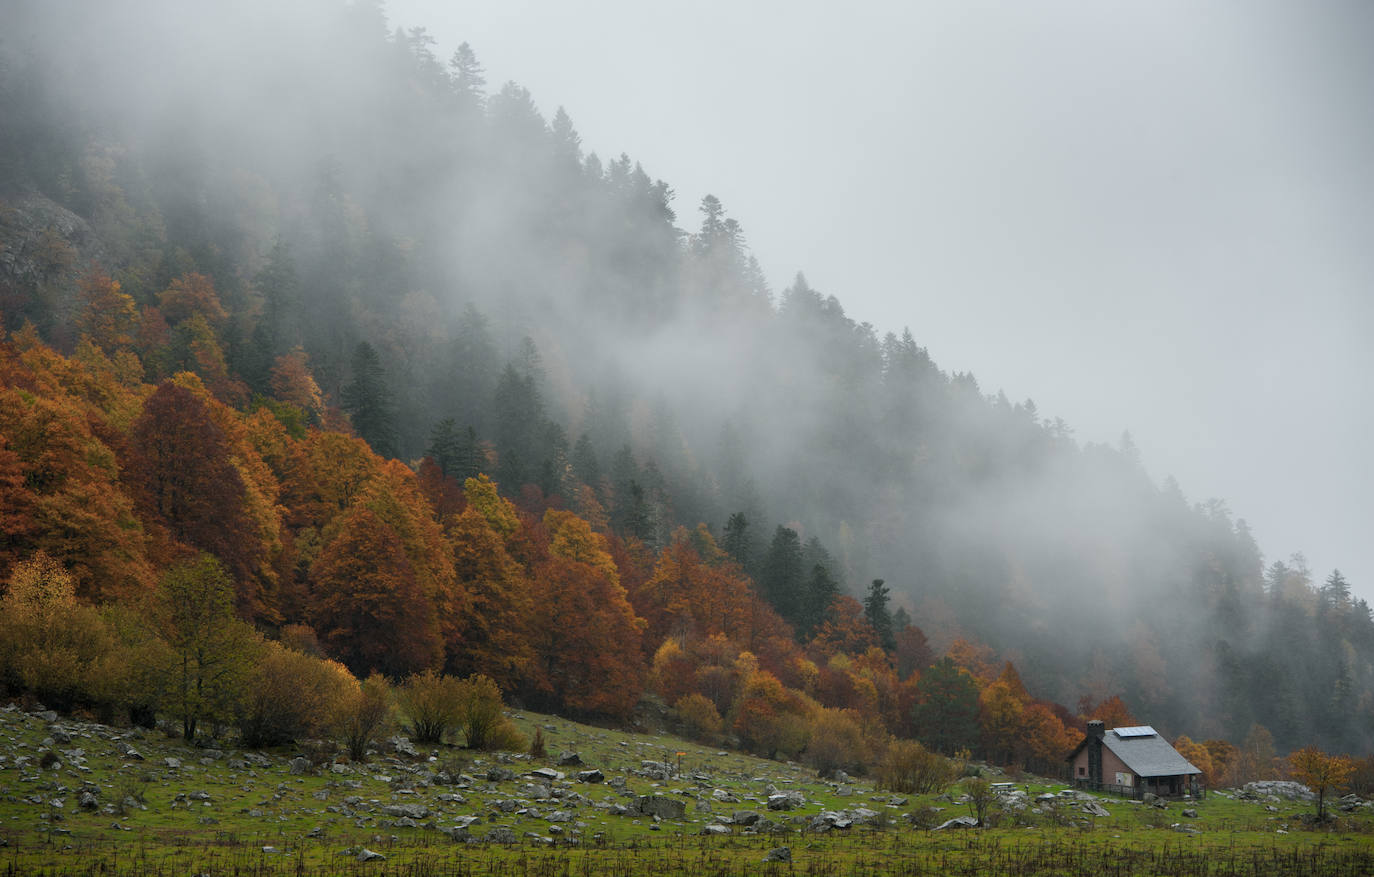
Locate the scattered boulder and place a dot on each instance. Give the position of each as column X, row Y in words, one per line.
column 590, row 776
column 412, row 811
column 546, row 773
column 957, row 822
column 715, row 828
column 402, row 746
column 569, row 759
column 828, row 819
column 300, row 765
column 500, row 835
column 366, row 855
column 660, row 806
column 1190, row 814
column 745, row 817
column 779, row 854
column 1092, row 808
column 786, row 800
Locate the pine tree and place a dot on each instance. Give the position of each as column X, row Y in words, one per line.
column 780, row 574
column 368, row 402
column 738, row 541
column 876, row 611
column 445, row 447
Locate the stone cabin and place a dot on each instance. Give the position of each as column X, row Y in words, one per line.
column 1132, row 761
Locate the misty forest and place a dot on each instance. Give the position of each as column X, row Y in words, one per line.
column 321, row 349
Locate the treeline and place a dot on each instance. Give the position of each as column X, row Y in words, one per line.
column 153, row 531
column 399, row 251
column 167, row 554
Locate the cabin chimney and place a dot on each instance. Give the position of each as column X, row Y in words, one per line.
column 1096, row 731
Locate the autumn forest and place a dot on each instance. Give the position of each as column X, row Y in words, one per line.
column 331, row 363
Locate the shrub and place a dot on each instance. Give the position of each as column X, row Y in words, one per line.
column 505, row 737
column 701, row 717
column 836, row 743
column 363, row 716
column 478, row 710
column 910, row 769
column 49, row 644
column 981, row 799
column 430, row 703
column 537, row 747
column 291, row 696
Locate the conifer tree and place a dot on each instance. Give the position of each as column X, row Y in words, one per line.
column 368, row 401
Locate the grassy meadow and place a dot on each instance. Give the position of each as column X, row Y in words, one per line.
column 75, row 800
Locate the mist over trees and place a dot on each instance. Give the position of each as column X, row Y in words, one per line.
column 323, row 220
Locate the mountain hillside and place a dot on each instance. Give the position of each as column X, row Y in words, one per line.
column 331, row 256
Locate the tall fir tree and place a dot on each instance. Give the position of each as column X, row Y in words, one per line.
column 368, row 401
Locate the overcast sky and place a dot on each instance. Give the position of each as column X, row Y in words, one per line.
column 1153, row 216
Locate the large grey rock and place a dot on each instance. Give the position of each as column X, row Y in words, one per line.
column 500, row 835
column 569, row 759
column 300, row 765
column 546, row 773
column 590, row 776
column 366, row 855
column 660, row 806
column 779, row 854
column 414, row 811
column 1092, row 808
column 828, row 819
column 786, row 800
column 403, row 746
column 745, row 817
column 958, row 822
column 1281, row 789
column 715, row 828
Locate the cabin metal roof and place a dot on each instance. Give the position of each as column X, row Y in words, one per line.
column 1147, row 755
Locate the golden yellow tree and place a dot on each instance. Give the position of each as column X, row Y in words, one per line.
column 1321, row 773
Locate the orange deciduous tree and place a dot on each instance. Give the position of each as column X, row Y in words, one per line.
column 292, row 382
column 109, row 316
column 845, row 629
column 187, row 483
column 365, row 603
column 586, row 638
column 490, row 632
column 1112, row 712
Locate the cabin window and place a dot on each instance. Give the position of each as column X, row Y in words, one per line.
column 1082, row 771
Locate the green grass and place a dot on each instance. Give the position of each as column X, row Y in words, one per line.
column 307, row 822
